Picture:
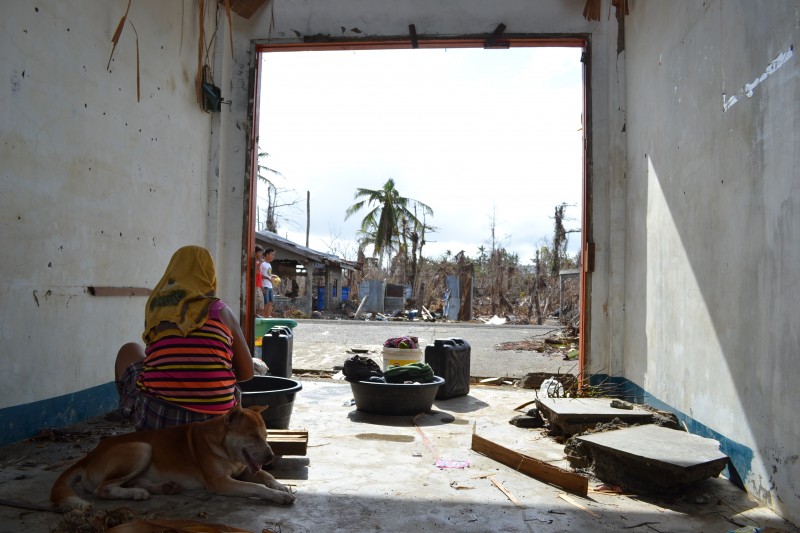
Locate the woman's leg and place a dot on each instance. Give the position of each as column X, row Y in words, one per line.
column 129, row 353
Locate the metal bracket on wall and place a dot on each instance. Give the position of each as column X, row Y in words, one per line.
column 412, row 31
column 493, row 41
column 118, row 291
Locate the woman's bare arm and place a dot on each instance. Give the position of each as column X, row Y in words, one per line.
column 242, row 359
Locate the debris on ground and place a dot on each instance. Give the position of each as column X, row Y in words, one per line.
column 560, row 345
column 507, row 492
column 314, row 374
column 90, row 521
column 551, row 388
column 664, row 419
column 608, row 488
column 525, row 345
column 621, row 404
column 59, row 435
column 532, row 419
column 577, row 452
column 177, row 526
column 579, row 505
column 534, row 380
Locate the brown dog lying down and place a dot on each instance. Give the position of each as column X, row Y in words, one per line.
column 224, row 455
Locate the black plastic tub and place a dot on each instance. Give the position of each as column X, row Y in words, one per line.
column 395, row 398
column 274, row 392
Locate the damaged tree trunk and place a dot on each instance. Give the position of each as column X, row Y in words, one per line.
column 404, row 236
column 536, row 288
column 465, row 275
column 414, row 243
column 559, row 241
column 530, row 298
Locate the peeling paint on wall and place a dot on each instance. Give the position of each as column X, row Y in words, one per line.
column 747, row 89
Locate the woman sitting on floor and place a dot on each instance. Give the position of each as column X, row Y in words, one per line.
column 195, row 351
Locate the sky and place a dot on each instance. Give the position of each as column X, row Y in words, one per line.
column 475, row 134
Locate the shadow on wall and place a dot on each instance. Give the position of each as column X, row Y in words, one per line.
column 711, row 260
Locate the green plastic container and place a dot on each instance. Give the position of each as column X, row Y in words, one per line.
column 263, row 325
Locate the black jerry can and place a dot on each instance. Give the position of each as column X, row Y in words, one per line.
column 449, row 359
column 276, row 351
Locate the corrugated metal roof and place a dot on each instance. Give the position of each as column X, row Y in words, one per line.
column 314, row 255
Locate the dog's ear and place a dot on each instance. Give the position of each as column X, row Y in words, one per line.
column 258, row 408
column 234, row 413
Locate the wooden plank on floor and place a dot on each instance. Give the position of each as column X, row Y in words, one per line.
column 569, row 481
column 288, row 441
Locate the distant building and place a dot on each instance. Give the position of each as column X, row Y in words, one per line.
column 309, row 279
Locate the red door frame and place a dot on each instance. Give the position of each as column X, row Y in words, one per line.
column 587, row 247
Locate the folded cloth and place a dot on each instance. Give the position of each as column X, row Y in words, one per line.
column 402, row 342
column 415, row 372
column 360, row 368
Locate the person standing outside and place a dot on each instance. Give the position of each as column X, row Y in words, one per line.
column 259, row 292
column 266, row 279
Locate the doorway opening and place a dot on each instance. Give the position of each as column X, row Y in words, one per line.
column 493, row 141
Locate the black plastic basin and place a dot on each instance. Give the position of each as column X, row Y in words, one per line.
column 274, row 392
column 395, row 398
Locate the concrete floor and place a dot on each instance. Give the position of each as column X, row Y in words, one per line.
column 372, row 473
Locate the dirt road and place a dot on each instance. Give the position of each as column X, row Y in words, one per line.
column 323, row 344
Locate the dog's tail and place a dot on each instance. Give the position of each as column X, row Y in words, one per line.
column 63, row 495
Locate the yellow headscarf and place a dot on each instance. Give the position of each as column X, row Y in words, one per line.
column 179, row 303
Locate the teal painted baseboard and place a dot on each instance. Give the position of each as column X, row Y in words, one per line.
column 741, row 457
column 26, row 420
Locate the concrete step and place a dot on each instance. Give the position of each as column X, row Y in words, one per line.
column 653, row 459
column 568, row 416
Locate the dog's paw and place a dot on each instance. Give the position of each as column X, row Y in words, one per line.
column 285, row 498
column 279, row 486
column 75, row 503
column 115, row 492
column 170, row 487
column 138, row 494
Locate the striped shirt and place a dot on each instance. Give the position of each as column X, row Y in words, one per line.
column 194, row 372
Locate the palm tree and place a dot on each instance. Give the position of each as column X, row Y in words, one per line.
column 383, row 221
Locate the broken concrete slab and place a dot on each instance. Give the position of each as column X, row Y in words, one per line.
column 653, row 459
column 568, row 416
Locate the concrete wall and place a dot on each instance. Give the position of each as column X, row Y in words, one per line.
column 97, row 189
column 713, row 227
